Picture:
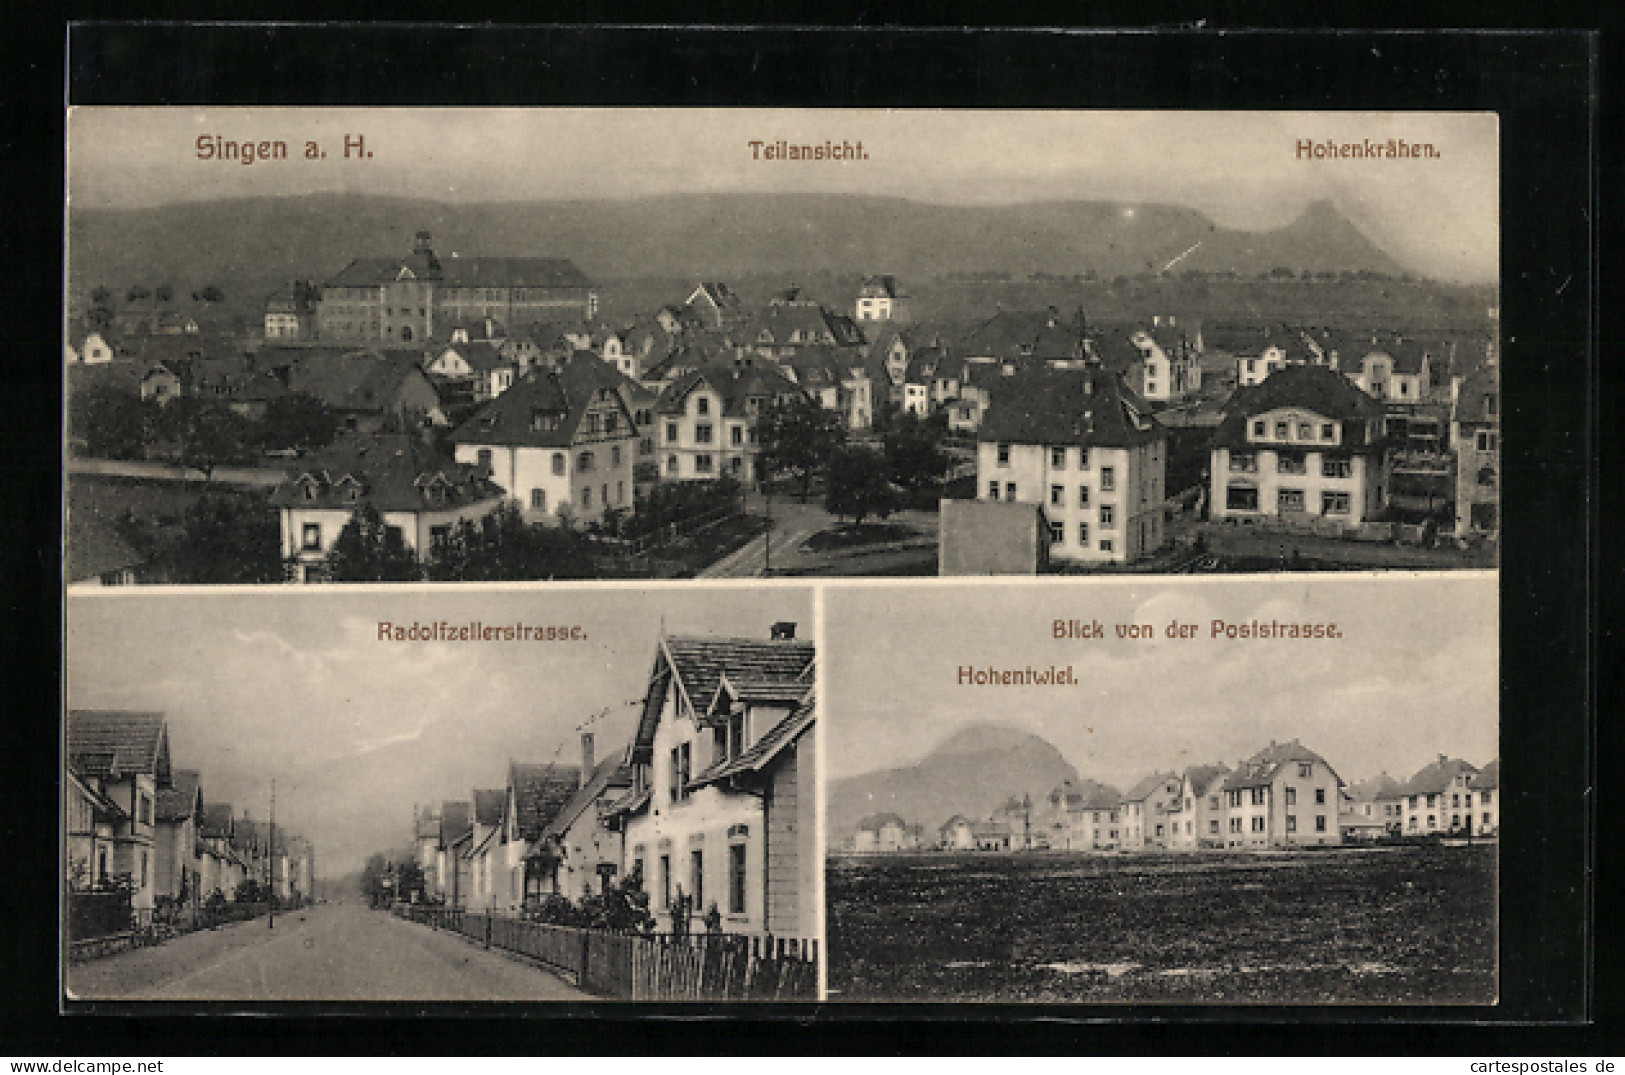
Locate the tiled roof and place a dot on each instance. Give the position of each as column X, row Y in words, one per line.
column 481, row 356
column 1088, row 408
column 734, row 384
column 883, row 285
column 455, row 821
column 564, row 393
column 1202, row 777
column 217, row 820
column 1039, row 334
column 762, row 752
column 112, row 743
column 1150, row 784
column 1262, row 767
column 540, row 791
column 1478, row 389
column 463, row 272
column 698, row 664
column 611, row 774
column 390, row 471
column 1318, row 389
column 95, row 547
column 183, row 798
column 488, row 805
column 1381, row 786
column 1437, row 777
column 1488, row 777
column 366, row 381
column 1104, row 797
column 876, row 822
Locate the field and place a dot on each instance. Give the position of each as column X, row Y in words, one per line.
column 1386, row 925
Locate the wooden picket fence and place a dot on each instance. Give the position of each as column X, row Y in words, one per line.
column 646, row 966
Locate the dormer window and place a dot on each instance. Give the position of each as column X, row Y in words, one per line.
column 1258, row 428
column 544, row 421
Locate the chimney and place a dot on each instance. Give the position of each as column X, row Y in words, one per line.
column 586, row 758
column 422, row 245
column 1443, row 758
column 784, row 631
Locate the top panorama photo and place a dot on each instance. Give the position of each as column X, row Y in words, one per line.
column 350, row 345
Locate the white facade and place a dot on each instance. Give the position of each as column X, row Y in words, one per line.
column 702, row 443
column 550, row 484
column 1294, row 465
column 1103, row 505
column 308, row 534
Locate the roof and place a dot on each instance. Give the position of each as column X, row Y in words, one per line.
column 545, row 408
column 1477, row 399
column 762, row 753
column 1488, row 777
column 95, row 547
column 1437, row 777
column 794, row 323
column 113, row 743
column 488, row 805
column 183, row 798
column 876, row 822
column 699, row 663
column 540, row 792
column 1203, row 777
column 456, row 818
column 1038, row 334
column 390, row 471
column 883, row 285
column 733, row 383
column 610, row 775
column 1318, row 389
column 217, row 820
column 482, row 357
column 1150, row 784
column 1086, row 408
column 1262, row 767
column 989, row 828
column 367, row 381
column 463, row 272
column 1381, row 786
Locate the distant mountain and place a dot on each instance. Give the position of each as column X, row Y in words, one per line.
column 696, row 236
column 970, row 773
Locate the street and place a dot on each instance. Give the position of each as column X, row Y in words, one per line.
column 342, row 951
column 794, row 523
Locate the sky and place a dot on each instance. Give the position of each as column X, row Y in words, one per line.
column 356, row 731
column 1438, row 216
column 1415, row 674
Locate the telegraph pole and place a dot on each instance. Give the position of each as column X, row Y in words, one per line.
column 271, row 862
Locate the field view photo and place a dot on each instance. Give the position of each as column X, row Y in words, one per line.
column 1186, row 793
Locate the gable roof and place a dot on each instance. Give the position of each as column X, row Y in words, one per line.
column 608, row 777
column 1203, row 777
column 365, row 381
column 1437, row 776
column 1086, row 408
column 462, row 272
column 762, row 753
column 112, row 743
column 540, row 791
column 1488, row 778
column 565, row 392
column 488, row 805
column 735, row 384
column 876, row 822
column 1262, row 767
column 1150, row 784
column 1381, row 786
column 1319, row 389
column 183, row 798
column 217, row 821
column 1037, row 334
column 695, row 666
column 390, row 471
column 456, row 818
column 95, row 547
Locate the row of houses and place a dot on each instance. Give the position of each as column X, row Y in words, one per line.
column 137, row 824
column 711, row 805
column 1283, row 796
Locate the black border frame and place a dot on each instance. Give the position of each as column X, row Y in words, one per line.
column 1545, row 87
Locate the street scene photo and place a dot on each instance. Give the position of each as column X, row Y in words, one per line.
column 307, row 345
column 430, row 795
column 1161, row 792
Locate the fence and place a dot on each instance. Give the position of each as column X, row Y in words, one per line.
column 646, row 966
column 102, row 923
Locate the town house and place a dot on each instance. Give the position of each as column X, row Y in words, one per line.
column 479, row 370
column 1085, row 449
column 1198, row 817
column 419, row 494
column 484, row 837
column 880, row 298
column 533, row 796
column 722, row 809
column 93, row 822
column 580, row 850
column 883, row 833
column 218, row 867
column 957, row 834
column 1372, row 809
column 456, row 819
column 708, row 421
column 1475, row 436
column 1285, row 795
column 176, row 859
column 123, row 757
column 1305, row 445
column 1486, row 786
column 563, row 442
column 1147, row 810
column 1439, row 798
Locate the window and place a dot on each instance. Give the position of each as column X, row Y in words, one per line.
column 680, row 762
column 1258, row 796
column 1083, row 459
column 1258, row 427
column 702, row 404
column 586, row 496
column 671, row 432
column 584, row 462
column 1009, row 490
column 671, row 465
column 993, row 490
column 1432, row 799
column 558, row 462
column 1083, row 496
column 1289, row 500
column 696, row 878
column 1108, row 479
column 438, row 536
column 603, row 494
column 665, row 880
column 1107, row 517
column 702, row 433
column 1083, row 534
column 620, row 492
column 1306, row 769
column 1306, row 431
column 1486, row 818
column 1057, row 458
column 736, row 435
column 736, row 879
column 1057, row 533
column 1485, row 441
column 1484, row 797
column 702, row 464
column 1292, row 796
column 1336, row 466
column 1320, row 796
column 1283, row 430
column 312, row 537
column 1055, row 494
column 1244, row 462
column 1004, row 455
column 1292, row 823
column 615, row 456
column 1328, row 431
column 1258, row 824
column 144, row 809
column 1290, row 463
column 1334, row 503
column 1105, row 544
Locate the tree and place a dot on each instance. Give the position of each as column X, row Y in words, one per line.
column 227, row 540
column 297, row 421
column 211, row 434
column 373, row 876
column 136, row 293
column 503, row 547
column 857, row 485
column 112, row 421
column 798, row 438
column 368, row 551
column 163, row 292
column 914, row 456
column 210, row 293
column 101, row 296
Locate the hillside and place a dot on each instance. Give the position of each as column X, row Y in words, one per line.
column 970, row 773
column 695, row 236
